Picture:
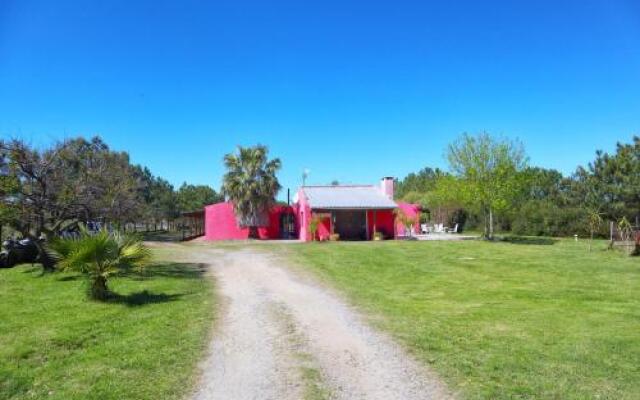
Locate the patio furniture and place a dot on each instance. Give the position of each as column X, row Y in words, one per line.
column 424, row 228
column 455, row 229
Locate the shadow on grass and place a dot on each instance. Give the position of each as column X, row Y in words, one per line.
column 542, row 241
column 174, row 270
column 142, row 298
column 31, row 269
column 70, row 278
column 162, row 236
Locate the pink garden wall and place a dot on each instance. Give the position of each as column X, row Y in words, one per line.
column 221, row 223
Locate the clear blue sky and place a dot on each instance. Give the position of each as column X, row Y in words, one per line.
column 351, row 90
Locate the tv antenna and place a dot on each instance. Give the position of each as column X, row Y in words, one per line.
column 305, row 174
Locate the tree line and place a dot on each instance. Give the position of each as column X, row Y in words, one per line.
column 490, row 184
column 47, row 191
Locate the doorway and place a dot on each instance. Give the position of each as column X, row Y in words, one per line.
column 350, row 224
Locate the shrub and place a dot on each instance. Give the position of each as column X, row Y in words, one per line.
column 99, row 256
column 543, row 218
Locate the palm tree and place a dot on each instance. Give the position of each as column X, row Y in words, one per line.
column 251, row 185
column 99, row 256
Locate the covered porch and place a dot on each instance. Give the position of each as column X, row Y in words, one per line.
column 355, row 223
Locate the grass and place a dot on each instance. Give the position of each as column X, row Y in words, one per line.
column 520, row 319
column 143, row 344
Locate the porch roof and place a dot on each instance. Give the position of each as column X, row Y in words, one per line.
column 347, row 197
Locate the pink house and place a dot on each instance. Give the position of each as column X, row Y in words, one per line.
column 354, row 212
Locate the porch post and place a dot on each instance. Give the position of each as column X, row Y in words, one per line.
column 366, row 223
column 331, row 227
column 375, row 220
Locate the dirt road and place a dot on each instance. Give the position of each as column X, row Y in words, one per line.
column 280, row 336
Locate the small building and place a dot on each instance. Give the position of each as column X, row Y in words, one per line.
column 222, row 224
column 354, row 212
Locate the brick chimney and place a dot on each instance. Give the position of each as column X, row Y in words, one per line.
column 386, row 185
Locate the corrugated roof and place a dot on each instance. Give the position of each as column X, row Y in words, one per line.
column 347, row 197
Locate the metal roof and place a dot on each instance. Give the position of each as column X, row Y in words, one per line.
column 347, row 197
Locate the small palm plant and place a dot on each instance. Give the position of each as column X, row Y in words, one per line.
column 594, row 220
column 625, row 228
column 99, row 256
column 314, row 225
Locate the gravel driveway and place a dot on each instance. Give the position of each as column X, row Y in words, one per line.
column 281, row 336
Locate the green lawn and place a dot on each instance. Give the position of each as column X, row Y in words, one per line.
column 500, row 320
column 145, row 344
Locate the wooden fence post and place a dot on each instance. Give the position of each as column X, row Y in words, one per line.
column 611, row 229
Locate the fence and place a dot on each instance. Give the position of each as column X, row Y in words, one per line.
column 626, row 238
column 191, row 224
column 187, row 226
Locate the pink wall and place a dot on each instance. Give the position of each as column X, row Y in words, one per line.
column 221, row 224
column 384, row 222
column 303, row 215
column 324, row 230
column 412, row 210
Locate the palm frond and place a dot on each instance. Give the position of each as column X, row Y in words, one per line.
column 100, row 255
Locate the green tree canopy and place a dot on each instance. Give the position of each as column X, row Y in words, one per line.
column 611, row 183
column 422, row 181
column 195, row 197
column 488, row 168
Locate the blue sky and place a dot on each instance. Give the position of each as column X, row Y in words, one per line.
column 351, row 90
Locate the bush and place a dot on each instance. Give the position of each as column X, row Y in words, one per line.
column 543, row 218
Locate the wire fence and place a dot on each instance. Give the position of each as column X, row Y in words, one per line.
column 625, row 237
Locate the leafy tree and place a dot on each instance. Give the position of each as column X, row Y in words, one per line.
column 100, row 256
column 35, row 200
column 158, row 196
column 100, row 181
column 488, row 169
column 250, row 183
column 9, row 189
column 540, row 183
column 423, row 181
column 73, row 181
column 195, row 197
